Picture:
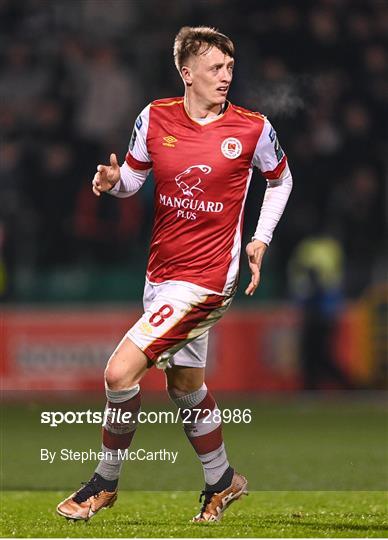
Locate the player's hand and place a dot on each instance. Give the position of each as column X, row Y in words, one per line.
column 106, row 176
column 255, row 251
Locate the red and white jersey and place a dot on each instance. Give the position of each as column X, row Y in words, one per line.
column 202, row 174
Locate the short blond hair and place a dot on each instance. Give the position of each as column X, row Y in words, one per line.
column 191, row 41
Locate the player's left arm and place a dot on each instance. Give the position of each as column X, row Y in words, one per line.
column 272, row 162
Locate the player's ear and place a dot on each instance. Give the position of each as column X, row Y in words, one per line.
column 186, row 74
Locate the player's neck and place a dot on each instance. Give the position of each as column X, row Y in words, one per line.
column 198, row 110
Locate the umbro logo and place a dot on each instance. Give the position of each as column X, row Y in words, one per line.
column 169, row 141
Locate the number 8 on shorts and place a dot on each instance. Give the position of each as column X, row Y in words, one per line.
column 161, row 315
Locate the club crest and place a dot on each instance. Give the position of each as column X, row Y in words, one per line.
column 231, row 148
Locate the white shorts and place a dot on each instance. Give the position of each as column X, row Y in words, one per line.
column 175, row 325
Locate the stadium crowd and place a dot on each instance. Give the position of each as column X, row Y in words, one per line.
column 74, row 75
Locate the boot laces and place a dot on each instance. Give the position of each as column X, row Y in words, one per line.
column 90, row 489
column 207, row 496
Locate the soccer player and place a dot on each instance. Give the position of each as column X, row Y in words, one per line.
column 202, row 150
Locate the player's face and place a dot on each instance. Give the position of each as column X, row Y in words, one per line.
column 209, row 76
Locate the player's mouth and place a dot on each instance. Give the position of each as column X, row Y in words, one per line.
column 223, row 89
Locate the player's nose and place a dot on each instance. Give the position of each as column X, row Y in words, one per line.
column 226, row 75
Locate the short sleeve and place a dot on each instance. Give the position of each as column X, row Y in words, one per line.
column 269, row 156
column 137, row 156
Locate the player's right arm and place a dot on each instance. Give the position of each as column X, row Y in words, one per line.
column 126, row 180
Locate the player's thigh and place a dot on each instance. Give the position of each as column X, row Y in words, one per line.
column 174, row 316
column 193, row 354
column 126, row 366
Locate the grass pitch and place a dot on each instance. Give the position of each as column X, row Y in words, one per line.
column 167, row 514
column 315, row 468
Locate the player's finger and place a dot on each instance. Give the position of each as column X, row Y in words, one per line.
column 96, row 191
column 254, row 280
column 250, row 289
column 96, row 183
column 255, row 276
column 253, row 265
column 113, row 160
column 102, row 168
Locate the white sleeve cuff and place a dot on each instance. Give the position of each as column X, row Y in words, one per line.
column 275, row 200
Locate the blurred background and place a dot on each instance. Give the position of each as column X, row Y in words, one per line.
column 73, row 77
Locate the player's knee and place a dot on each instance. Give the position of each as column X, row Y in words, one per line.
column 125, row 367
column 183, row 381
column 114, row 377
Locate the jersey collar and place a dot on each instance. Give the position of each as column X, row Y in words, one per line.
column 219, row 116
